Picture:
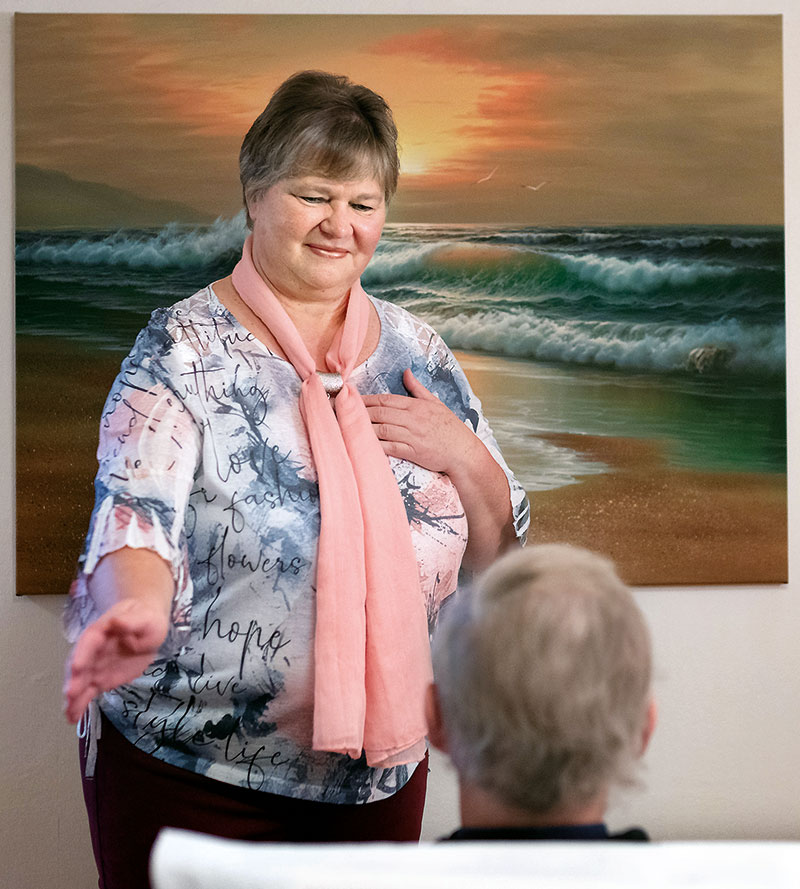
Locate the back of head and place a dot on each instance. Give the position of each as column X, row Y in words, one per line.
column 543, row 677
column 320, row 124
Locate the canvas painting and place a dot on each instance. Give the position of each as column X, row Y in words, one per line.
column 590, row 212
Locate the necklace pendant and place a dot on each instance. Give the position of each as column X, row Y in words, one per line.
column 331, row 382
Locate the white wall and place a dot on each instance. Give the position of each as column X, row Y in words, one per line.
column 724, row 760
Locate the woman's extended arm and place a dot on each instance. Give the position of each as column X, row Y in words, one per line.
column 422, row 429
column 133, row 588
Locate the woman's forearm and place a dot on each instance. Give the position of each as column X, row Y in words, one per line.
column 483, row 488
column 129, row 573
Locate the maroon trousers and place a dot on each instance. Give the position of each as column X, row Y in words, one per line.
column 133, row 795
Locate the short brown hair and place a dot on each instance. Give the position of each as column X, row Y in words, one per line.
column 319, row 124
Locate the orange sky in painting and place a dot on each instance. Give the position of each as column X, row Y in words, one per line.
column 628, row 119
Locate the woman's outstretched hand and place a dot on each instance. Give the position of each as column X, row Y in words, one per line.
column 111, row 651
column 420, row 428
column 134, row 590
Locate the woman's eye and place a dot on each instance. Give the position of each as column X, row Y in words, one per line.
column 362, row 207
column 311, row 200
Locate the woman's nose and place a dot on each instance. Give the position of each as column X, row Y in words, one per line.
column 336, row 223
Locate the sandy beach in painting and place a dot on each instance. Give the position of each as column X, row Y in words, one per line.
column 662, row 523
column 61, row 389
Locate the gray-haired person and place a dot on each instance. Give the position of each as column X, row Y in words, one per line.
column 542, row 695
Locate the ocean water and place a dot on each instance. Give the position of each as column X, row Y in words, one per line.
column 675, row 333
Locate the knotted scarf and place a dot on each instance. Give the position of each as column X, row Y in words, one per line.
column 371, row 651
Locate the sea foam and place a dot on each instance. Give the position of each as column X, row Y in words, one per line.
column 173, row 246
column 641, row 275
column 644, row 347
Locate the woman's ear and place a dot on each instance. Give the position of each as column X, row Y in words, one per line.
column 433, row 715
column 250, row 202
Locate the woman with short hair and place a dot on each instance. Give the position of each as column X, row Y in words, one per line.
column 290, row 474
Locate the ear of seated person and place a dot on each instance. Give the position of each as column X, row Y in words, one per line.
column 542, row 696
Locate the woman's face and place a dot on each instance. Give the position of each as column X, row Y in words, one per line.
column 313, row 237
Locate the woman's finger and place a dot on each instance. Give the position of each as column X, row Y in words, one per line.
column 416, row 388
column 391, row 432
column 399, row 449
column 77, row 701
column 386, row 400
column 86, row 650
column 389, row 415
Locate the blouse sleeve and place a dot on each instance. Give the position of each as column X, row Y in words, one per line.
column 449, row 382
column 147, row 456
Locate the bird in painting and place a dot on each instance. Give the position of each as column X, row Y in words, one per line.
column 487, row 177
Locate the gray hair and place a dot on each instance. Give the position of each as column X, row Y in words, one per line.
column 319, row 124
column 543, row 675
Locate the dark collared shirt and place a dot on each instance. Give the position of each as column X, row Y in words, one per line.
column 564, row 832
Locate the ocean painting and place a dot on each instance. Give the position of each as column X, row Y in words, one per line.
column 632, row 365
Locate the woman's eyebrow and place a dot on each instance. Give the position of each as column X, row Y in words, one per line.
column 327, row 188
column 373, row 195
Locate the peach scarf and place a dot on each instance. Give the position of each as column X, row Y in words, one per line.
column 372, row 657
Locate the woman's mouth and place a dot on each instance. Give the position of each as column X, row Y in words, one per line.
column 328, row 252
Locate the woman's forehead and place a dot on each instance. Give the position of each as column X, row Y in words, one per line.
column 325, row 162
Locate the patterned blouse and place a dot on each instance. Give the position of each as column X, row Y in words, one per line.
column 204, row 458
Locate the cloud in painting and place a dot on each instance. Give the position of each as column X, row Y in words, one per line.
column 630, row 118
